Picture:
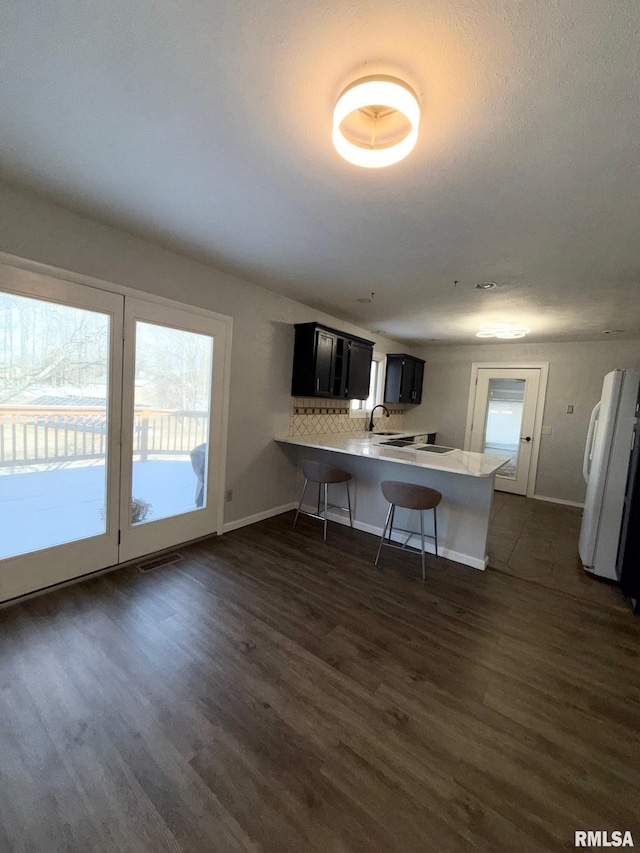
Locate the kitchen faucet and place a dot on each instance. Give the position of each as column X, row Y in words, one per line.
column 379, row 406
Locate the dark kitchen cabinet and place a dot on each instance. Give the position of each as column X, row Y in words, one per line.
column 325, row 359
column 358, row 370
column 330, row 363
column 403, row 382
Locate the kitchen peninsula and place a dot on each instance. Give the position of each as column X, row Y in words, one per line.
column 465, row 479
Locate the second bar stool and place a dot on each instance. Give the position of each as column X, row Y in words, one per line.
column 323, row 475
column 409, row 496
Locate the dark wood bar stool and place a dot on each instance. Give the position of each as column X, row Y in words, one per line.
column 409, row 496
column 323, row 475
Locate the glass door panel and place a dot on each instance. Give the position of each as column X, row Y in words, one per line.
column 58, row 445
column 54, row 387
column 171, row 421
column 505, row 405
column 173, row 450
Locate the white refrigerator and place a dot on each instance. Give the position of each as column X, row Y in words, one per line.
column 606, row 463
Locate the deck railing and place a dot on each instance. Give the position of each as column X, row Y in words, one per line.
column 34, row 435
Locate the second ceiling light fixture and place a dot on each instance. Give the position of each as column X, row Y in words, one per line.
column 502, row 330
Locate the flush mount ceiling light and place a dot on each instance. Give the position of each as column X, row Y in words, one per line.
column 486, row 285
column 506, row 331
column 375, row 122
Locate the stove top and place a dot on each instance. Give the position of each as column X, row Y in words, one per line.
column 434, row 448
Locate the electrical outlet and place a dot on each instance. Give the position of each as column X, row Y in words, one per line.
column 229, row 495
column 546, row 430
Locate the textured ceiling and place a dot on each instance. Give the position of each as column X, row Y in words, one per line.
column 206, row 125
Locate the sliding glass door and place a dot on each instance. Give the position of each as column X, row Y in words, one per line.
column 111, row 428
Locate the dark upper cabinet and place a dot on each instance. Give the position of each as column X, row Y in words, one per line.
column 359, row 369
column 403, row 382
column 325, row 360
column 330, row 363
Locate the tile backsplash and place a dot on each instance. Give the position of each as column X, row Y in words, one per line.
column 310, row 415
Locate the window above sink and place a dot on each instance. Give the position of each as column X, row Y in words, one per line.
column 362, row 408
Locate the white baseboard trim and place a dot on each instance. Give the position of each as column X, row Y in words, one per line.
column 258, row 516
column 447, row 553
column 558, row 501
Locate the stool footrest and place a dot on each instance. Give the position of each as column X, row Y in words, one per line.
column 321, row 517
column 411, row 533
column 406, row 548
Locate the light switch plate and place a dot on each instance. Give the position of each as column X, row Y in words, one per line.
column 569, row 409
column 546, row 430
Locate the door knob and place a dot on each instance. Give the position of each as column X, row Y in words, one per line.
column 527, row 438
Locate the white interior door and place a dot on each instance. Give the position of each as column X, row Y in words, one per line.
column 60, row 369
column 172, row 430
column 504, row 422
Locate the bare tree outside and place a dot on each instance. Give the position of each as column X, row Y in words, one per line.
column 49, row 347
column 173, row 368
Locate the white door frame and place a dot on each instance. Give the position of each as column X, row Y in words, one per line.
column 543, row 366
column 23, row 266
column 101, row 284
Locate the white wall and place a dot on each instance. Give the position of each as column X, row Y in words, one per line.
column 576, row 371
column 257, row 470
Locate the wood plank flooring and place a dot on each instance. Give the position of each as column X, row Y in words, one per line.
column 275, row 693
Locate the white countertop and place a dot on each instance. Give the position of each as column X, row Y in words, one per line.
column 368, row 445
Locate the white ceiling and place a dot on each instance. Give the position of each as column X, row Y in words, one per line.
column 206, row 125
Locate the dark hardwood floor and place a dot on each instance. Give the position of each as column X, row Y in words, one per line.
column 275, row 693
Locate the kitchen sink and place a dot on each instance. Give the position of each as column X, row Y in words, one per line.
column 397, row 442
column 395, row 432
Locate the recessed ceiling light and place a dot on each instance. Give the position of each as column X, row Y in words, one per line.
column 486, row 285
column 364, row 299
column 375, row 122
column 612, row 331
